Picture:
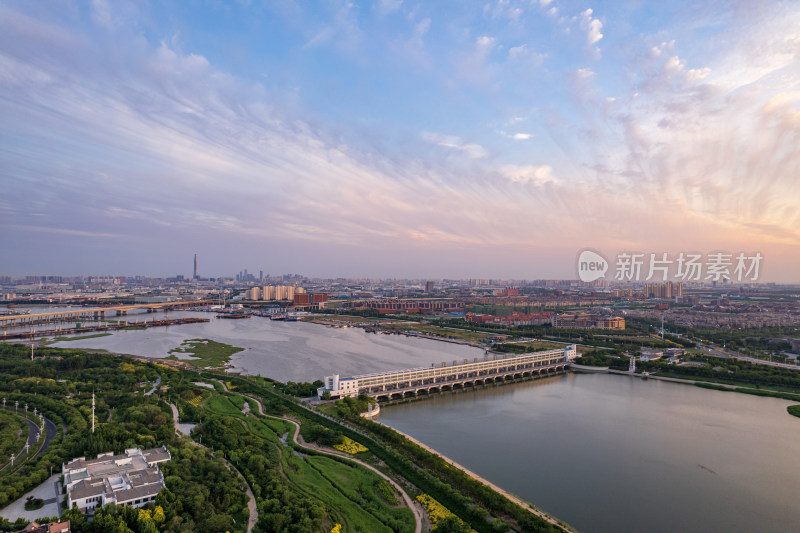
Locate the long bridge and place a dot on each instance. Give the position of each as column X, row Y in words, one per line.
column 494, row 368
column 92, row 313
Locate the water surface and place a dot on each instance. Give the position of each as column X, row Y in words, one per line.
column 612, row 453
column 286, row 351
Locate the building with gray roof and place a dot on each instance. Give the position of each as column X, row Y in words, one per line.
column 132, row 478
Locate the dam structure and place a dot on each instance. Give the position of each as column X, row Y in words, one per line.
column 494, row 368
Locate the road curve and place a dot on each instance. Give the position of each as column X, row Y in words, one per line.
column 33, row 437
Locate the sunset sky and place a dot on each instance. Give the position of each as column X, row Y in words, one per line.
column 395, row 138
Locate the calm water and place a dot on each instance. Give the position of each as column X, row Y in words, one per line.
column 615, row 454
column 287, row 351
column 605, row 453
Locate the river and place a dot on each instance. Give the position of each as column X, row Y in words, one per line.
column 612, row 453
column 602, row 452
column 286, row 351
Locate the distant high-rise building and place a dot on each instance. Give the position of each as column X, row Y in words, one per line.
column 661, row 290
column 195, row 267
column 428, row 286
column 280, row 292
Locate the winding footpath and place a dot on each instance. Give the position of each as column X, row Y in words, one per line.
column 298, row 440
column 181, row 429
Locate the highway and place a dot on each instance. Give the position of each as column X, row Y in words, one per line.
column 719, row 351
column 91, row 312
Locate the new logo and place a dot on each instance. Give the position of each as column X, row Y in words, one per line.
column 591, row 266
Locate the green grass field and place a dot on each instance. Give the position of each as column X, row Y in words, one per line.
column 94, row 336
column 278, row 427
column 205, row 352
column 794, row 410
column 359, row 486
column 222, row 405
column 303, row 473
column 472, row 336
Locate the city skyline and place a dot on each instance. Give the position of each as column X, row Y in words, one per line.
column 395, row 139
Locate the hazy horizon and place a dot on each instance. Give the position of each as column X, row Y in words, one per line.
column 395, row 138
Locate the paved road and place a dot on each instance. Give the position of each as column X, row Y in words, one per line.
column 48, row 491
column 184, row 429
column 719, row 351
column 33, row 437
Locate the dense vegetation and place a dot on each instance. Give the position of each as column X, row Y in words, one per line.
column 478, row 505
column 730, row 370
column 296, row 489
column 60, row 382
column 599, row 358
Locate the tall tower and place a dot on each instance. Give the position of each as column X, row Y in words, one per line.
column 195, row 267
column 92, row 411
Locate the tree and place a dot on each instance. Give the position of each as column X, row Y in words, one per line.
column 75, row 516
column 158, row 515
column 451, row 524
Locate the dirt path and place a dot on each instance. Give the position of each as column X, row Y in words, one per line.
column 416, row 509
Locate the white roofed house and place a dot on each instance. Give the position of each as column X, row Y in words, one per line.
column 132, row 478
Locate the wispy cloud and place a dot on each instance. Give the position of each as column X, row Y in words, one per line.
column 450, row 141
column 112, row 135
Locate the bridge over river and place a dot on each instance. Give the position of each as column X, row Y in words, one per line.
column 494, row 368
column 92, row 313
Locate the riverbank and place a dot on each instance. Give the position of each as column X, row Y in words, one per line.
column 556, row 443
column 743, row 388
column 515, row 499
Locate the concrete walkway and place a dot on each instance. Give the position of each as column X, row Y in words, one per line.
column 155, row 386
column 184, row 429
column 48, row 491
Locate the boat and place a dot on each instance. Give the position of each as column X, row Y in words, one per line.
column 233, row 315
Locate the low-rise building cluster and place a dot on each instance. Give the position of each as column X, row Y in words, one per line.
column 131, row 478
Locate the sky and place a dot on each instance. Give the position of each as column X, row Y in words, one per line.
column 447, row 139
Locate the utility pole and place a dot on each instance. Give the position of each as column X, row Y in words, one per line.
column 92, row 411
